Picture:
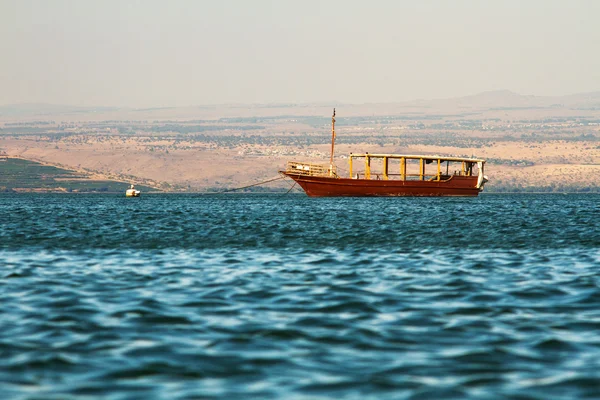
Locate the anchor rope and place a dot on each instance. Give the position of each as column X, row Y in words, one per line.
column 247, row 186
column 291, row 188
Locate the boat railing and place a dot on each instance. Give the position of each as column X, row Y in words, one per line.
column 310, row 169
column 405, row 177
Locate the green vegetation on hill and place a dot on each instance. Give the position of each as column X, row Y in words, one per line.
column 19, row 174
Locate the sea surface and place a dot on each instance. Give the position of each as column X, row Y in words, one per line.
column 289, row 297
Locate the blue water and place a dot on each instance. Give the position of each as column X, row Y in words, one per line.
column 287, row 297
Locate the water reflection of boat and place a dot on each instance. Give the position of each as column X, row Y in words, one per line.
column 451, row 176
column 132, row 192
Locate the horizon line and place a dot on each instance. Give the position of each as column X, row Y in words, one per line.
column 291, row 103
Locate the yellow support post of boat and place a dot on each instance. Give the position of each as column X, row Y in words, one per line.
column 385, row 168
column 464, row 169
column 350, row 162
column 421, row 169
column 439, row 175
column 367, row 167
column 332, row 143
column 403, row 168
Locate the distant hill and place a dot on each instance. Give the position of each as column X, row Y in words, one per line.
column 42, row 109
column 28, row 176
column 497, row 99
column 505, row 100
column 502, row 98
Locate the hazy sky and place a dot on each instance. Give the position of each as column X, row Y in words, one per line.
column 176, row 53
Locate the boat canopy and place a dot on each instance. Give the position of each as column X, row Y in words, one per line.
column 417, row 157
column 466, row 168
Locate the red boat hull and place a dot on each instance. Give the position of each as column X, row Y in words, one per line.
column 317, row 186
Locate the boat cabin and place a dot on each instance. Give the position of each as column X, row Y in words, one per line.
column 412, row 167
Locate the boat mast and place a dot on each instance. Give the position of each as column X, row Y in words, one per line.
column 332, row 143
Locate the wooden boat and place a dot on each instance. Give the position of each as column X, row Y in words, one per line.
column 451, row 176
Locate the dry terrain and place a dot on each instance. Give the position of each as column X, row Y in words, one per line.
column 531, row 143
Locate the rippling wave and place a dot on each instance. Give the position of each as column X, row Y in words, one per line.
column 289, row 297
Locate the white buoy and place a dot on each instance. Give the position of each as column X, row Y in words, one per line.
column 132, row 192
